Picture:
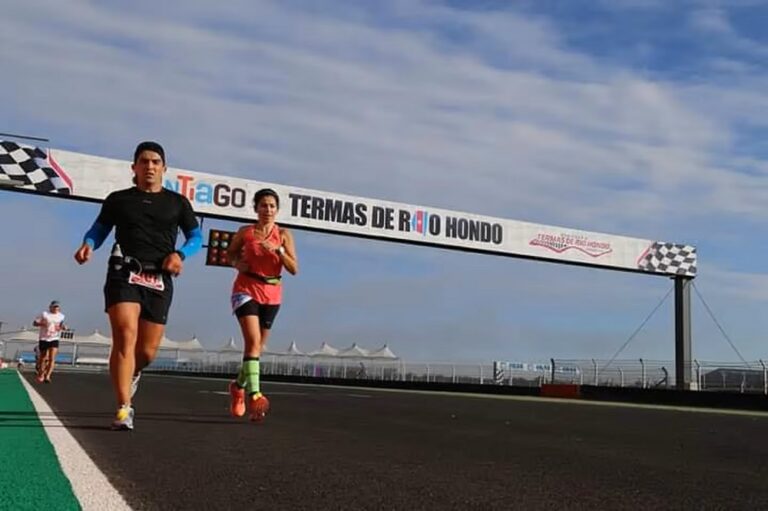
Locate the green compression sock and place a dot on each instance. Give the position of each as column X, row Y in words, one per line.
column 242, row 378
column 251, row 369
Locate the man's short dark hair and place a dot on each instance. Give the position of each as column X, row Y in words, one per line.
column 148, row 146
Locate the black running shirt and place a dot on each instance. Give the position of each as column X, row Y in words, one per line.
column 147, row 224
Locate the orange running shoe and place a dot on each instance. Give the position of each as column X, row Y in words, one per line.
column 259, row 405
column 39, row 378
column 237, row 404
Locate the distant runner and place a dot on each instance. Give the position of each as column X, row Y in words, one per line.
column 51, row 323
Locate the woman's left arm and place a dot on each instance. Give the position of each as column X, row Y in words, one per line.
column 288, row 254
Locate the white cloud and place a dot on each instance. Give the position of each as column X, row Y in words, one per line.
column 503, row 118
column 714, row 20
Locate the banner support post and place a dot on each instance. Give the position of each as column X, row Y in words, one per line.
column 683, row 332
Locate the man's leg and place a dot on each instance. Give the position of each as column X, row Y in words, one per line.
column 38, row 362
column 124, row 320
column 42, row 363
column 51, row 356
column 154, row 314
column 150, row 337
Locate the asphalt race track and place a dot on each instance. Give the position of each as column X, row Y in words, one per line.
column 353, row 448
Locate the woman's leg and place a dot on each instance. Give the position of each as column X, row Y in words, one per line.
column 250, row 371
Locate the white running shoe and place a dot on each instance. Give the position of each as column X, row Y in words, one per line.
column 123, row 419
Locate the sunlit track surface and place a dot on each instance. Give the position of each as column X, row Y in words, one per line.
column 347, row 448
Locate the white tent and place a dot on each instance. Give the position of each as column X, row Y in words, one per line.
column 326, row 350
column 383, row 352
column 192, row 344
column 294, row 350
column 353, row 351
column 95, row 338
column 25, row 334
column 230, row 347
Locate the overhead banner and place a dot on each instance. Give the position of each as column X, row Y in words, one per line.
column 85, row 177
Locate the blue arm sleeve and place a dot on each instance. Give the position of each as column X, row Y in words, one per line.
column 194, row 240
column 96, row 235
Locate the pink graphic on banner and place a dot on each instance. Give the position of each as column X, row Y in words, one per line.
column 563, row 242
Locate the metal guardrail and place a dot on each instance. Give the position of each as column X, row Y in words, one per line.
column 750, row 377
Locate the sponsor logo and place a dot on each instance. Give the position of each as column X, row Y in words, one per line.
column 203, row 192
column 564, row 242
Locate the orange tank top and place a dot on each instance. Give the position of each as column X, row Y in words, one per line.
column 261, row 262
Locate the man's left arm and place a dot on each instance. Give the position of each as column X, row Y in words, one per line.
column 194, row 240
column 193, row 237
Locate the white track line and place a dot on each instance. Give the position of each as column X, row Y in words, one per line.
column 510, row 397
column 90, row 485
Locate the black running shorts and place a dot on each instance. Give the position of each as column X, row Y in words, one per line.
column 266, row 313
column 45, row 345
column 154, row 304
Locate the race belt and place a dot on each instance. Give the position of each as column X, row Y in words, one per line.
column 140, row 273
column 271, row 280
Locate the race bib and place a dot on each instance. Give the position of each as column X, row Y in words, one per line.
column 152, row 281
column 239, row 299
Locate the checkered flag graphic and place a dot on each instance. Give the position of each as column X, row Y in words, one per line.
column 29, row 168
column 669, row 258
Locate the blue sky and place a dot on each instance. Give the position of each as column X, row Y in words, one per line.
column 639, row 117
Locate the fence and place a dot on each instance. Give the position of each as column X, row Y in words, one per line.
column 750, row 377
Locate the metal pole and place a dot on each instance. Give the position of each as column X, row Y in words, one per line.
column 698, row 374
column 552, row 370
column 621, row 377
column 642, row 368
column 24, row 137
column 683, row 332
column 765, row 377
column 594, row 363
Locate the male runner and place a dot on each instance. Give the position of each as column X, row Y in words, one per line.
column 139, row 289
column 51, row 323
